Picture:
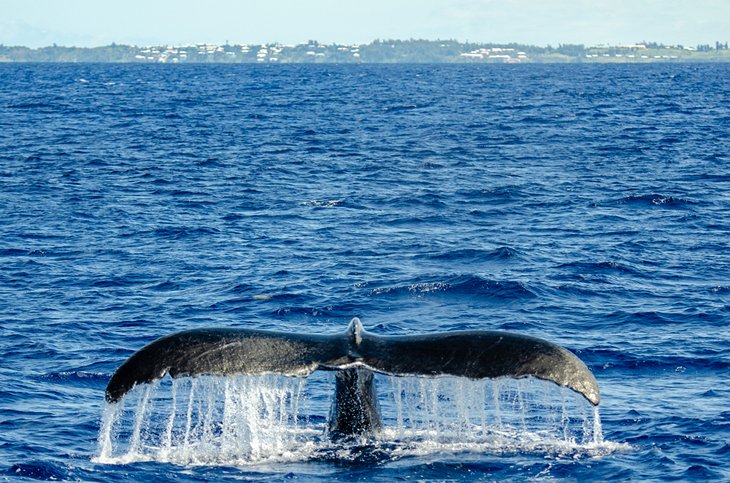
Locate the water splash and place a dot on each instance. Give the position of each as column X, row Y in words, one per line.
column 247, row 420
column 206, row 420
column 499, row 414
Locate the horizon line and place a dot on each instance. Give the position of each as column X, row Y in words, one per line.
column 644, row 43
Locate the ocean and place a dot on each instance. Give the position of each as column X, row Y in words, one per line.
column 588, row 205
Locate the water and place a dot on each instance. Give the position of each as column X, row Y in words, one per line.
column 587, row 205
column 249, row 420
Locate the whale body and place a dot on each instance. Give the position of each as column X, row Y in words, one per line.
column 355, row 355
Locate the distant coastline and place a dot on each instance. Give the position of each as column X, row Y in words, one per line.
column 378, row 51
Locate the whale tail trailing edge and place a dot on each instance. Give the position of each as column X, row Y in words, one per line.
column 473, row 354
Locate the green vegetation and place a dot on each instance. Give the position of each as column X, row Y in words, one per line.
column 110, row 53
column 378, row 51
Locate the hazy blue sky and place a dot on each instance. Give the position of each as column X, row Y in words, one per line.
column 541, row 22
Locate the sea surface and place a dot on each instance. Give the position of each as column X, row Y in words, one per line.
column 585, row 204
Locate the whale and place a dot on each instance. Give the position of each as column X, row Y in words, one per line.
column 355, row 355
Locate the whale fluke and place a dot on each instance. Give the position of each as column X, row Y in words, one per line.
column 355, row 353
column 227, row 352
column 479, row 354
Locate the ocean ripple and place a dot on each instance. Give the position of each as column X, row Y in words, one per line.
column 461, row 285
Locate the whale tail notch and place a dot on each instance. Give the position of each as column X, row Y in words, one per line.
column 473, row 354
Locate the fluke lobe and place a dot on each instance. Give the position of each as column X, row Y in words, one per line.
column 355, row 354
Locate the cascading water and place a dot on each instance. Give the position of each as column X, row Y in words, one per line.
column 496, row 416
column 205, row 420
column 252, row 419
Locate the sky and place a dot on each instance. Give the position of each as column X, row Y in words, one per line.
column 88, row 23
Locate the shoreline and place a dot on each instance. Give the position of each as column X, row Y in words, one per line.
column 376, row 52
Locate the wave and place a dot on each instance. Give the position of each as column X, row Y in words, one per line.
column 14, row 252
column 650, row 201
column 406, row 107
column 128, row 280
column 37, row 470
column 418, row 199
column 602, row 267
column 76, row 378
column 307, row 311
column 495, row 196
column 178, row 193
column 461, row 285
column 324, row 203
column 46, row 252
column 166, row 286
column 609, row 359
column 476, row 255
column 716, row 177
column 572, row 290
column 180, row 232
column 259, row 293
column 342, row 312
column 35, row 105
column 650, row 318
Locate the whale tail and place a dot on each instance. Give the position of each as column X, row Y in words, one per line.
column 355, row 353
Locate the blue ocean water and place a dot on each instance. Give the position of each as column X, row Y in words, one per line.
column 585, row 204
